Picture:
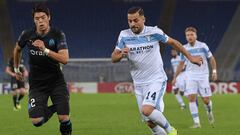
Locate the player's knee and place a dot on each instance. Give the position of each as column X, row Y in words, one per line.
column 63, row 117
column 147, row 110
column 37, row 122
column 150, row 124
column 206, row 100
column 22, row 92
column 192, row 98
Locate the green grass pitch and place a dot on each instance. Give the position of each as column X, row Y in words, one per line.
column 117, row 114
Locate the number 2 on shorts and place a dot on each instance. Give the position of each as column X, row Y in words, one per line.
column 32, row 102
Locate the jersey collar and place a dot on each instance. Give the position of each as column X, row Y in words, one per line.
column 143, row 31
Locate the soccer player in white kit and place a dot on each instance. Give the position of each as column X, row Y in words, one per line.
column 179, row 87
column 140, row 44
column 198, row 76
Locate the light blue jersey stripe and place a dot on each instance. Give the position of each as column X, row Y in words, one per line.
column 198, row 51
column 160, row 95
column 141, row 40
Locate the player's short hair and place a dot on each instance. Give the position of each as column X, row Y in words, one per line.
column 134, row 10
column 40, row 8
column 191, row 29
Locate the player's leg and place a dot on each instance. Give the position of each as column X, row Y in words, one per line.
column 15, row 99
column 155, row 129
column 39, row 112
column 22, row 90
column 60, row 98
column 178, row 97
column 191, row 93
column 153, row 106
column 20, row 93
column 206, row 93
column 177, row 92
column 14, row 93
column 65, row 124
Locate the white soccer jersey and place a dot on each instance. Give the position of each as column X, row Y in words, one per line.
column 194, row 71
column 144, row 53
column 175, row 62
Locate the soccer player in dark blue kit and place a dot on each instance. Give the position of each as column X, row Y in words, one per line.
column 17, row 86
column 47, row 49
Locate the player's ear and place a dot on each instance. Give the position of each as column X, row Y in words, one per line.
column 144, row 19
column 49, row 18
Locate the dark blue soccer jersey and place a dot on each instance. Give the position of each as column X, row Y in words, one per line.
column 42, row 67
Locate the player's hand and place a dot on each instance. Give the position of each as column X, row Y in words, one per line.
column 13, row 75
column 196, row 60
column 39, row 44
column 214, row 76
column 19, row 76
column 125, row 51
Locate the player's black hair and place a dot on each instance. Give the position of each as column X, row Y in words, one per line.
column 134, row 10
column 40, row 7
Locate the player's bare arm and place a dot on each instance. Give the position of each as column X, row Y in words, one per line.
column 117, row 55
column 178, row 46
column 9, row 71
column 17, row 57
column 25, row 72
column 214, row 68
column 61, row 56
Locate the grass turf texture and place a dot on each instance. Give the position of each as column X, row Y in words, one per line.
column 117, row 114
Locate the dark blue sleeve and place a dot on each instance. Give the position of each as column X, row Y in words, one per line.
column 22, row 41
column 62, row 43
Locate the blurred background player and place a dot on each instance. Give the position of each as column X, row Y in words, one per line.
column 179, row 87
column 140, row 44
column 198, row 76
column 17, row 86
column 47, row 49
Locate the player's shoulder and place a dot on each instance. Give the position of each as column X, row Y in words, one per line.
column 125, row 33
column 201, row 44
column 56, row 31
column 186, row 45
column 27, row 32
column 153, row 29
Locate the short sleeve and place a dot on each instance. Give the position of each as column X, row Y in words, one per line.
column 62, row 43
column 160, row 35
column 182, row 57
column 22, row 40
column 208, row 53
column 120, row 43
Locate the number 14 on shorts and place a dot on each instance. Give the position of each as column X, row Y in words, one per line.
column 151, row 96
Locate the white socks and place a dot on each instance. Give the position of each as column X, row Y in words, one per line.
column 179, row 99
column 158, row 118
column 208, row 107
column 157, row 130
column 194, row 111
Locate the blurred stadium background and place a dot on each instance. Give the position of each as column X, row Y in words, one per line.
column 92, row 28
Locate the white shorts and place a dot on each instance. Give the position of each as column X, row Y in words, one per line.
column 201, row 87
column 181, row 81
column 151, row 94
